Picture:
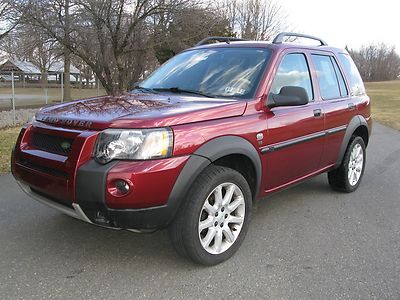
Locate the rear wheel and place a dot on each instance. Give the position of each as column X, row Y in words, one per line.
column 213, row 222
column 348, row 176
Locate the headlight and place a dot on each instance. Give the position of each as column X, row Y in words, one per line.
column 135, row 144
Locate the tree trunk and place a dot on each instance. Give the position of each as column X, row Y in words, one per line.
column 80, row 80
column 67, row 55
column 67, row 82
column 44, row 79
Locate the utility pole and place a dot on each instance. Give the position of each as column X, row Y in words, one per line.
column 62, row 86
column 13, row 96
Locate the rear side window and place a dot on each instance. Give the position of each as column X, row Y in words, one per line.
column 353, row 76
column 327, row 78
column 293, row 71
column 342, row 85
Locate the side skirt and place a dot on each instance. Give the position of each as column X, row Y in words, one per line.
column 298, row 180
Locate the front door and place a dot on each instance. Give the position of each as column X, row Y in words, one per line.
column 295, row 134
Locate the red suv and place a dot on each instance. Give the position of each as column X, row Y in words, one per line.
column 212, row 130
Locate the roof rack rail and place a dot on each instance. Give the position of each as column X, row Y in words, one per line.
column 225, row 39
column 279, row 38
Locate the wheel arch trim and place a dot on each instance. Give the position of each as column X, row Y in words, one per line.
column 230, row 145
column 205, row 155
column 355, row 123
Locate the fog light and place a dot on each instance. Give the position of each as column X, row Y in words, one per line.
column 122, row 186
column 119, row 187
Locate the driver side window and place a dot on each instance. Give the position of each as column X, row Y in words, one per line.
column 293, row 71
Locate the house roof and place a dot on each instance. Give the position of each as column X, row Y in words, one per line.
column 29, row 68
column 21, row 66
column 58, row 67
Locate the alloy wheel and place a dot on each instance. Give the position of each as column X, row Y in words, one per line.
column 221, row 218
column 355, row 166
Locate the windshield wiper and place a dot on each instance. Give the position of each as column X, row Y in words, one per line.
column 178, row 90
column 141, row 88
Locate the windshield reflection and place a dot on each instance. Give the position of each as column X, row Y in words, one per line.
column 220, row 72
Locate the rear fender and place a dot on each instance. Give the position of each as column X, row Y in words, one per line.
column 355, row 123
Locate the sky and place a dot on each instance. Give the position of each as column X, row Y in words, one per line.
column 346, row 22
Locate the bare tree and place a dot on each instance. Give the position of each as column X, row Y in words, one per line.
column 109, row 36
column 183, row 28
column 30, row 44
column 9, row 16
column 122, row 40
column 255, row 19
column 67, row 52
column 43, row 14
column 377, row 62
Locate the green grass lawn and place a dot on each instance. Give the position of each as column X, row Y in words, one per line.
column 385, row 102
column 7, row 140
column 385, row 109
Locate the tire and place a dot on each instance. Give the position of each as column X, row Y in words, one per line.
column 347, row 177
column 225, row 221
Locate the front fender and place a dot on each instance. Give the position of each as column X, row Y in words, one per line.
column 213, row 150
column 227, row 145
column 205, row 155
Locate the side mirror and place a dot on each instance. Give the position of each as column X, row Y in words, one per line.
column 288, row 96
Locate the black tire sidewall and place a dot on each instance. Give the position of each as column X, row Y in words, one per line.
column 348, row 187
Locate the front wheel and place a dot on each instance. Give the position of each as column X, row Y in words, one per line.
column 348, row 176
column 213, row 222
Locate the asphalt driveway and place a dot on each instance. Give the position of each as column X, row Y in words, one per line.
column 305, row 242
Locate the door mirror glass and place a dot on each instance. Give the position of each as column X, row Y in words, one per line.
column 288, row 96
column 292, row 82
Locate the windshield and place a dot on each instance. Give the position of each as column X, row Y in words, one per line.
column 218, row 72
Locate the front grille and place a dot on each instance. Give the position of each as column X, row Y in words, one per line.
column 43, row 169
column 50, row 143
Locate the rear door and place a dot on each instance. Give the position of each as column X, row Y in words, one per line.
column 295, row 134
column 336, row 103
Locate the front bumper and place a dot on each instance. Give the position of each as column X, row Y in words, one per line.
column 91, row 194
column 138, row 219
column 78, row 186
column 90, row 205
column 75, row 212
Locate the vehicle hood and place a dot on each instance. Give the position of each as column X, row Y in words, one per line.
column 139, row 111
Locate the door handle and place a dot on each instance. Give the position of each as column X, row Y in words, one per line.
column 317, row 113
column 351, row 106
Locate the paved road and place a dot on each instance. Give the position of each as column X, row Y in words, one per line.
column 306, row 242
